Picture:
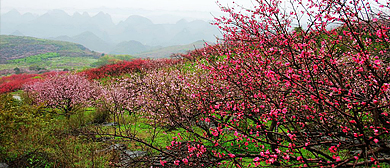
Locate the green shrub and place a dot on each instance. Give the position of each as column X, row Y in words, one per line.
column 35, row 136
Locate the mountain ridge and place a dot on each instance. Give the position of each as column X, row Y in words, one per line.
column 57, row 24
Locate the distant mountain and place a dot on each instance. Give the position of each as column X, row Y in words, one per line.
column 92, row 41
column 89, row 40
column 17, row 33
column 17, row 47
column 63, row 38
column 99, row 33
column 10, row 21
column 166, row 52
column 15, row 17
column 136, row 20
column 129, row 47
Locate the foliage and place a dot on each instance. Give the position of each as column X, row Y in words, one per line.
column 111, row 59
column 123, row 57
column 15, row 120
column 104, row 61
column 31, row 136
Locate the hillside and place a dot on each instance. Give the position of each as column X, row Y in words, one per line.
column 165, row 52
column 16, row 47
column 36, row 54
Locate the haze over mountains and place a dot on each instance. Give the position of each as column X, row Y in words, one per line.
column 134, row 35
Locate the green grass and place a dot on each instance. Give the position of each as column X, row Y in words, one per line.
column 8, row 66
column 138, row 126
column 56, row 63
column 70, row 62
column 35, row 58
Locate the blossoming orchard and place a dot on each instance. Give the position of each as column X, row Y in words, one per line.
column 291, row 84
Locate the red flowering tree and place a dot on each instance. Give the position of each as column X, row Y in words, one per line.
column 300, row 95
column 67, row 92
column 124, row 67
column 168, row 96
column 281, row 92
column 121, row 96
column 286, row 93
column 15, row 82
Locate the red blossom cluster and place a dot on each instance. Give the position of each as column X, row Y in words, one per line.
column 275, row 92
column 15, row 82
column 286, row 94
column 125, row 67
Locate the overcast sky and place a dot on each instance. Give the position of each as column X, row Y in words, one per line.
column 202, row 9
column 206, row 5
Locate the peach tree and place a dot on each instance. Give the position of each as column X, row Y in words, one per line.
column 304, row 84
column 291, row 84
column 66, row 92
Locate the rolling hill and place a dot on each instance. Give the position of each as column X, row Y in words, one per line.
column 16, row 47
column 32, row 54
